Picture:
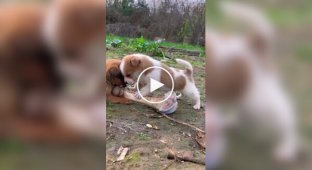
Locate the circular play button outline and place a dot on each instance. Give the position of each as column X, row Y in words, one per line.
column 138, row 89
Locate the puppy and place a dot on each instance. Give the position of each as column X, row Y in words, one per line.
column 28, row 73
column 26, row 60
column 115, row 83
column 132, row 65
column 240, row 70
column 75, row 31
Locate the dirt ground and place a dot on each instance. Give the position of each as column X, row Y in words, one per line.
column 126, row 126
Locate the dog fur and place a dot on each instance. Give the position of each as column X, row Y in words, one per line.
column 240, row 70
column 75, row 31
column 114, row 79
column 132, row 65
column 26, row 60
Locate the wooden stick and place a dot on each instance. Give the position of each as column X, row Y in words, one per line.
column 182, row 157
column 131, row 97
column 183, row 123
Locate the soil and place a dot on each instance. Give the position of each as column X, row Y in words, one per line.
column 126, row 126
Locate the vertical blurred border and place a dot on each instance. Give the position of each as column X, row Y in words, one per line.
column 28, row 141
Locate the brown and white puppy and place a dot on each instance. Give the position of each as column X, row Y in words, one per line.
column 132, row 65
column 239, row 70
column 25, row 58
column 115, row 83
column 28, row 72
column 75, row 30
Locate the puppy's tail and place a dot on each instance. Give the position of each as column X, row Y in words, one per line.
column 261, row 30
column 189, row 67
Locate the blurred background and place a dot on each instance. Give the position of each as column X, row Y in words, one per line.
column 40, row 126
column 293, row 23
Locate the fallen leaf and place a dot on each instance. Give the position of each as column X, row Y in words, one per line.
column 119, row 150
column 123, row 154
column 162, row 141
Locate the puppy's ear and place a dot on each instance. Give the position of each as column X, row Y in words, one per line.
column 114, row 71
column 135, row 61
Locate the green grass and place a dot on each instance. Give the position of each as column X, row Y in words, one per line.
column 11, row 145
column 143, row 136
column 298, row 14
column 294, row 16
column 118, row 46
column 183, row 46
column 190, row 47
column 304, row 52
column 134, row 157
column 10, row 151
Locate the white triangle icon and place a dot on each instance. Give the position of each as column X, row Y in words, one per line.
column 154, row 85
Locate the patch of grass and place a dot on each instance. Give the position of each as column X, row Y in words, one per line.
column 184, row 141
column 202, row 74
column 10, row 151
column 294, row 16
column 197, row 63
column 182, row 46
column 11, row 145
column 109, row 115
column 143, row 136
column 304, row 52
column 134, row 157
column 140, row 45
column 124, row 45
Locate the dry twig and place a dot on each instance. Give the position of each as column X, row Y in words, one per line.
column 183, row 123
column 186, row 156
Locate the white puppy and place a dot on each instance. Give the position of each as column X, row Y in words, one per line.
column 240, row 70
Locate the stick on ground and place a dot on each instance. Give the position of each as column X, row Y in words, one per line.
column 183, row 123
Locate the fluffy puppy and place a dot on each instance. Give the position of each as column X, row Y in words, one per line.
column 26, row 60
column 240, row 70
column 29, row 74
column 75, row 30
column 132, row 65
column 115, row 82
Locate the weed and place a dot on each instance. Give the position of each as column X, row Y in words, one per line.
column 144, row 46
column 143, row 136
column 121, row 45
column 134, row 157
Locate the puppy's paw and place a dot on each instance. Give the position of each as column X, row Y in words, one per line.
column 118, row 91
column 137, row 95
column 196, row 106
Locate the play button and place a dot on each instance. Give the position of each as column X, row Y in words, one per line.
column 158, row 91
column 154, row 85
